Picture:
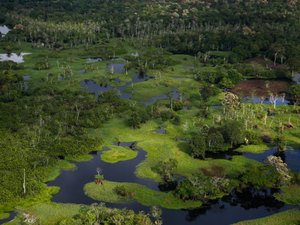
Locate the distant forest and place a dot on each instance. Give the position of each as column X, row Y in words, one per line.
column 247, row 28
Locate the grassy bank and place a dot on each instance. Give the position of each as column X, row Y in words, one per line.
column 117, row 154
column 289, row 217
column 140, row 193
column 160, row 147
column 44, row 196
column 256, row 149
column 290, row 194
column 47, row 213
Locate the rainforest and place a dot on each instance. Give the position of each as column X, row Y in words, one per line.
column 149, row 112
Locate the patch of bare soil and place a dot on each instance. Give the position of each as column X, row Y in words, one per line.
column 260, row 88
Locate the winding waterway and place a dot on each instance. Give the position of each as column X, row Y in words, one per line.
column 122, row 91
column 230, row 209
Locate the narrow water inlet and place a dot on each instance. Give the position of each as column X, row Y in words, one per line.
column 230, row 209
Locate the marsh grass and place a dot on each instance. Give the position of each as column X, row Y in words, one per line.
column 140, row 193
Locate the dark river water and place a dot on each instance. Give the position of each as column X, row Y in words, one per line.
column 290, row 157
column 99, row 88
column 122, row 92
column 230, row 209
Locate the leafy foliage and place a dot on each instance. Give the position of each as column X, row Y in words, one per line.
column 201, row 187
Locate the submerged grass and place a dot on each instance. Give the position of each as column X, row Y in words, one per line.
column 117, row 154
column 256, row 149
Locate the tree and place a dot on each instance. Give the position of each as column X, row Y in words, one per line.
column 99, row 176
column 280, row 143
column 137, row 117
column 281, row 168
column 215, row 140
column 201, row 187
column 24, row 181
column 231, row 102
column 295, row 92
column 155, row 213
column 259, row 176
column 233, row 132
column 166, row 169
column 278, row 50
column 198, row 146
column 208, row 91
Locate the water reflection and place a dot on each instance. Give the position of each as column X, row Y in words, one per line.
column 117, row 68
column 174, row 95
column 257, row 100
column 15, row 57
column 291, row 157
column 26, row 77
column 4, row 30
column 296, row 78
column 93, row 60
column 72, row 182
column 98, row 89
column 250, row 204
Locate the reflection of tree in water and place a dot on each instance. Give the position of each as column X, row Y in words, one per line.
column 253, row 198
column 280, row 154
column 248, row 199
column 194, row 213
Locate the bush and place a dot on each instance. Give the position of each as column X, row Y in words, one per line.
column 198, row 146
column 121, row 191
column 137, row 117
column 260, row 177
column 177, row 105
column 208, row 91
column 253, row 137
column 233, row 132
column 214, row 171
column 166, row 169
column 167, row 114
column 201, row 187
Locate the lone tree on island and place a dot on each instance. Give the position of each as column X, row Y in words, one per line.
column 99, row 176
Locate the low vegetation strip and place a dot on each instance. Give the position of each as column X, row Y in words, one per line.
column 290, row 194
column 289, row 217
column 117, row 154
column 107, row 192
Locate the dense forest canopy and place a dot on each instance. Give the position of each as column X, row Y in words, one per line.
column 248, row 28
